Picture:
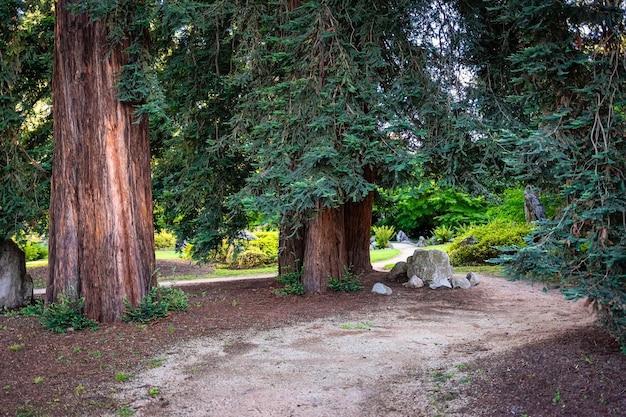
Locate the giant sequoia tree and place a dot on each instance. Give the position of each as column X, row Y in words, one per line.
column 101, row 234
column 323, row 118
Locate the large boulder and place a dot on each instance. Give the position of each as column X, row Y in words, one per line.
column 430, row 265
column 16, row 286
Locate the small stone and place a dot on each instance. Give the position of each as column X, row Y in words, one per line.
column 440, row 283
column 414, row 282
column 461, row 282
column 473, row 278
column 380, row 288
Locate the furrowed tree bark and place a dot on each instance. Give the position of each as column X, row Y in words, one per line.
column 101, row 232
column 324, row 249
column 358, row 226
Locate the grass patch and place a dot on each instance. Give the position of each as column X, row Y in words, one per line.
column 383, row 254
column 168, row 255
column 35, row 264
column 493, row 270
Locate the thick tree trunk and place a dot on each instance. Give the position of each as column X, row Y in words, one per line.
column 101, row 232
column 324, row 250
column 291, row 249
column 358, row 225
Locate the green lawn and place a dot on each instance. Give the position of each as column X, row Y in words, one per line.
column 375, row 256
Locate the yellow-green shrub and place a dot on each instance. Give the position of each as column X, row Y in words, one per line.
column 164, row 240
column 267, row 243
column 487, row 237
column 251, row 258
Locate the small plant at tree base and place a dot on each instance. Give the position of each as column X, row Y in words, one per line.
column 66, row 314
column 382, row 235
column 291, row 284
column 156, row 305
column 347, row 283
column 32, row 310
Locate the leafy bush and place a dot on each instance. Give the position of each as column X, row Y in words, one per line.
column 267, row 243
column 34, row 250
column 443, row 234
column 383, row 234
column 66, row 314
column 164, row 240
column 488, row 238
column 32, row 310
column 156, row 305
column 291, row 284
column 251, row 258
column 418, row 210
column 347, row 283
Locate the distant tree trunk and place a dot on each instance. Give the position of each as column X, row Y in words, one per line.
column 533, row 208
column 358, row 225
column 291, row 249
column 101, row 232
column 324, row 250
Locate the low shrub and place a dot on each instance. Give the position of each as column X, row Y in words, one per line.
column 66, row 314
column 251, row 258
column 292, row 284
column 34, row 250
column 267, row 243
column 382, row 235
column 487, row 238
column 164, row 240
column 347, row 283
column 156, row 305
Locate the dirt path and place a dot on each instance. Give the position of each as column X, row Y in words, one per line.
column 375, row 363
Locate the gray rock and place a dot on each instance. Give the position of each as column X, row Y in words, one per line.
column 421, row 242
column 414, row 282
column 402, row 237
column 440, row 283
column 470, row 240
column 16, row 286
column 461, row 282
column 473, row 278
column 398, row 272
column 380, row 288
column 429, row 265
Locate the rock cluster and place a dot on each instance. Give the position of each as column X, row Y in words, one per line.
column 431, row 268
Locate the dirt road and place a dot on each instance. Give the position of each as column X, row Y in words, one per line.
column 375, row 363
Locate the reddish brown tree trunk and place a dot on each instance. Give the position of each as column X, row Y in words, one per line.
column 358, row 225
column 324, row 249
column 101, row 233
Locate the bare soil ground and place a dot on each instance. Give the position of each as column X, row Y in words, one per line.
column 499, row 349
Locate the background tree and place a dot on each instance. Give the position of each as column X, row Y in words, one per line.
column 322, row 115
column 198, row 165
column 563, row 71
column 101, row 233
column 25, row 124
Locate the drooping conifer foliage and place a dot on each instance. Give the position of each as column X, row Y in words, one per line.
column 25, row 124
column 557, row 102
column 198, row 165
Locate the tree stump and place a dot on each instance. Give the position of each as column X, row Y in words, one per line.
column 16, row 286
column 533, row 208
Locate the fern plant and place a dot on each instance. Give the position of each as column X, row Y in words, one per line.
column 349, row 282
column 382, row 235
